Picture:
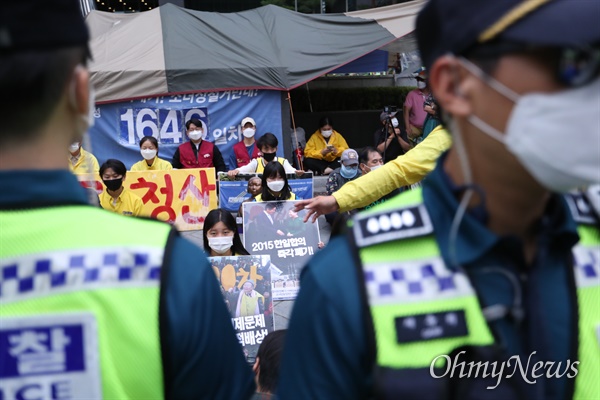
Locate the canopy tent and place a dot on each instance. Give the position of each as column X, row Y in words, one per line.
column 172, row 50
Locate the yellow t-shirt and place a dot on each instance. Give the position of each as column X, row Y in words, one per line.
column 127, row 203
column 405, row 170
column 81, row 166
column 158, row 165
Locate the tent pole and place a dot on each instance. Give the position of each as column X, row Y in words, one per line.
column 296, row 5
column 289, row 99
column 309, row 102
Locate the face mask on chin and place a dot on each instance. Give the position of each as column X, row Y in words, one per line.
column 421, row 84
column 550, row 133
column 221, row 244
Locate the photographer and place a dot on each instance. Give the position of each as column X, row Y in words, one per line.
column 390, row 140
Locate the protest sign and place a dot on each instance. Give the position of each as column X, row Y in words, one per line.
column 182, row 197
column 233, row 191
column 274, row 228
column 119, row 127
column 246, row 287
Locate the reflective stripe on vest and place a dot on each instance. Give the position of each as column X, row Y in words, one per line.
column 260, row 165
column 421, row 309
column 62, row 262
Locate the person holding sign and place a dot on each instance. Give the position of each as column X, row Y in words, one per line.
column 275, row 184
column 116, row 198
column 151, row 162
column 198, row 153
column 267, row 144
column 220, row 235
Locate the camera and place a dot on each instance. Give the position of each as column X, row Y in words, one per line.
column 390, row 109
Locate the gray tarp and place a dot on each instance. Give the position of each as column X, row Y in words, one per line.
column 174, row 50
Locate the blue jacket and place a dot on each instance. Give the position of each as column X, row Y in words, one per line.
column 327, row 355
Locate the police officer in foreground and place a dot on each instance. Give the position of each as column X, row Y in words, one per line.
column 490, row 262
column 94, row 305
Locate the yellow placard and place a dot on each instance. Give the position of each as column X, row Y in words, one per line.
column 182, row 197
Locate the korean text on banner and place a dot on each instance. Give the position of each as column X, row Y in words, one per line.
column 182, row 197
column 119, row 127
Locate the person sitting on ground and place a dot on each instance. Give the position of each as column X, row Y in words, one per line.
column 116, row 197
column 267, row 144
column 247, row 149
column 275, row 186
column 197, row 153
column 324, row 149
column 405, row 170
column 371, row 160
column 266, row 366
column 220, row 236
column 151, row 162
column 81, row 161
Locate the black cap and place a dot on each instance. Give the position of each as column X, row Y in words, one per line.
column 453, row 26
column 41, row 24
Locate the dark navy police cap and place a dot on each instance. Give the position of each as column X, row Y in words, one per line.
column 41, row 24
column 454, row 26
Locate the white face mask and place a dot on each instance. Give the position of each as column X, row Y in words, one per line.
column 326, row 134
column 148, row 154
column 220, row 244
column 395, row 122
column 248, row 132
column 276, row 186
column 421, row 84
column 373, row 168
column 552, row 134
column 74, row 147
column 195, row 135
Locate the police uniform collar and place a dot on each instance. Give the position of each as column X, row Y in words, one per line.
column 474, row 239
column 37, row 188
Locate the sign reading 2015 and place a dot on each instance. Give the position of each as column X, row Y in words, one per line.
column 168, row 126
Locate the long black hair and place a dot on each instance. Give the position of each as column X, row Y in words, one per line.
column 219, row 215
column 272, row 170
